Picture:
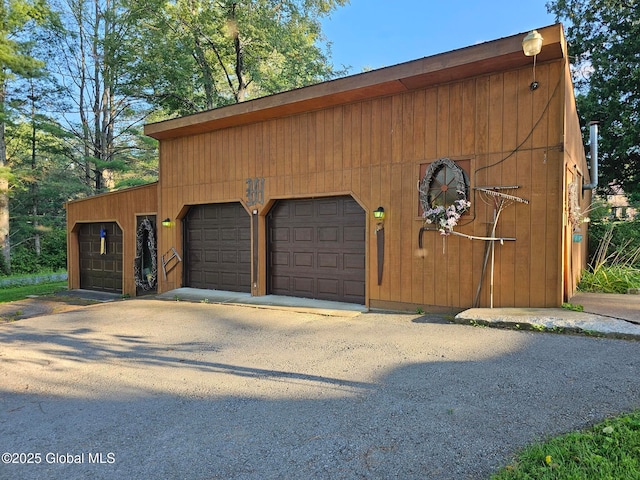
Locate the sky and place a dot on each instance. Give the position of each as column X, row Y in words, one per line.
column 379, row 33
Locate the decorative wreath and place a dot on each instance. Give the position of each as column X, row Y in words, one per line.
column 146, row 276
column 444, row 216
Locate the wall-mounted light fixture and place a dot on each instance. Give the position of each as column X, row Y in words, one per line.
column 531, row 46
column 379, row 213
column 166, row 222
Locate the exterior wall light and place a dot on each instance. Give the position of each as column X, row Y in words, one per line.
column 166, row 222
column 531, row 46
column 379, row 216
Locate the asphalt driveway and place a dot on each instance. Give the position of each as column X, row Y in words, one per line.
column 173, row 390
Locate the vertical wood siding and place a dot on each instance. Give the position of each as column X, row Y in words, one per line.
column 121, row 207
column 373, row 150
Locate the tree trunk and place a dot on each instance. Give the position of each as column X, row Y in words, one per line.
column 241, row 93
column 33, row 187
column 5, row 242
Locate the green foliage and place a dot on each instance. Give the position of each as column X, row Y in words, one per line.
column 604, row 40
column 15, row 18
column 615, row 258
column 574, row 307
column 610, row 279
column 21, row 292
column 608, row 450
column 621, row 239
column 53, row 255
column 202, row 54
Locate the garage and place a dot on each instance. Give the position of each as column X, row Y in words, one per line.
column 317, row 249
column 101, row 249
column 218, row 247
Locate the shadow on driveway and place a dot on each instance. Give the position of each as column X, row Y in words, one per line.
column 198, row 391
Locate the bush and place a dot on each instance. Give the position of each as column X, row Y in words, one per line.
column 614, row 263
column 625, row 237
column 610, row 279
column 52, row 258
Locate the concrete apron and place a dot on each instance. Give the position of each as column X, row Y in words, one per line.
column 607, row 315
column 303, row 305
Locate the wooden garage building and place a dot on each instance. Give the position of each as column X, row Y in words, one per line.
column 277, row 195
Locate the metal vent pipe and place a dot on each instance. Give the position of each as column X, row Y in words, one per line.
column 593, row 147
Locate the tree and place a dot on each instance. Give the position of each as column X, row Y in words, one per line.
column 604, row 41
column 103, row 118
column 16, row 16
column 196, row 55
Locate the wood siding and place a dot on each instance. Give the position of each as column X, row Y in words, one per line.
column 119, row 207
column 575, row 254
column 372, row 136
column 372, row 150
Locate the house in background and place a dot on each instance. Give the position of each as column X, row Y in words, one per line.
column 619, row 203
column 280, row 195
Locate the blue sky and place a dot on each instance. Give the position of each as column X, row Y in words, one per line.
column 380, row 33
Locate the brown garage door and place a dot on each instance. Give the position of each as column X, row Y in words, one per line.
column 317, row 249
column 218, row 247
column 100, row 270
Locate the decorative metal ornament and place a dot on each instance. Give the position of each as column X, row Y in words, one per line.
column 435, row 184
column 146, row 275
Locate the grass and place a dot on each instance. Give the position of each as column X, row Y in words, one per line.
column 612, row 273
column 609, row 450
column 20, row 292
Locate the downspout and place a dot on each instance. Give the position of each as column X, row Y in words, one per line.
column 593, row 147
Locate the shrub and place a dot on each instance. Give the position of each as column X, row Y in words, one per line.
column 52, row 258
column 613, row 268
column 625, row 237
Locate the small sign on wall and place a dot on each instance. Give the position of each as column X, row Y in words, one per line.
column 255, row 191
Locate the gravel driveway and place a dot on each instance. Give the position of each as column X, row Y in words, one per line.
column 146, row 389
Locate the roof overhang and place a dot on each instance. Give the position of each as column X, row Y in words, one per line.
column 494, row 56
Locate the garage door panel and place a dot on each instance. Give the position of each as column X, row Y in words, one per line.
column 301, row 209
column 353, row 261
column 328, row 286
column 100, row 271
column 317, row 245
column 229, row 257
column 354, row 234
column 209, row 235
column 353, row 289
column 280, row 259
column 303, row 259
column 327, row 208
column 280, row 234
column 352, row 208
column 328, row 260
column 303, row 234
column 210, row 257
column 280, row 283
column 228, row 234
column 328, row 234
column 218, row 246
column 245, row 259
column 303, row 286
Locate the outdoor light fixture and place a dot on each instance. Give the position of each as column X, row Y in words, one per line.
column 166, row 222
column 531, row 46
column 379, row 216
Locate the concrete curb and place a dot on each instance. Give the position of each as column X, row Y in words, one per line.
column 551, row 320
